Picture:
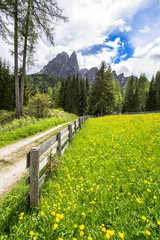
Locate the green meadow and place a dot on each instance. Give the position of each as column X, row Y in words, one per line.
column 107, row 186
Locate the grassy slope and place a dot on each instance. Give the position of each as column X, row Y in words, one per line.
column 107, row 186
column 8, row 137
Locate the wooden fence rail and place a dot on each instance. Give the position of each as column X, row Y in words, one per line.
column 58, row 144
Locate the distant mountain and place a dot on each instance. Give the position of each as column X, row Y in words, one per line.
column 63, row 65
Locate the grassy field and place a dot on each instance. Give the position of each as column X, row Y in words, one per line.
column 26, row 127
column 107, row 186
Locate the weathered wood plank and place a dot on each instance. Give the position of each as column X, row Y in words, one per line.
column 64, row 148
column 59, row 144
column 44, row 162
column 28, row 160
column 34, row 176
column 64, row 140
column 46, row 145
column 41, row 180
column 63, row 131
column 65, row 134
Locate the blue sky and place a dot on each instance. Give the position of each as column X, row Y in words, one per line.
column 124, row 33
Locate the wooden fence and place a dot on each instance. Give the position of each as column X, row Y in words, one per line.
column 58, row 144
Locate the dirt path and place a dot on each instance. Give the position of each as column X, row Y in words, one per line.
column 13, row 159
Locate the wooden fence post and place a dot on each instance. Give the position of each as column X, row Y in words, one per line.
column 75, row 127
column 59, row 144
column 34, row 177
column 70, row 132
column 80, row 123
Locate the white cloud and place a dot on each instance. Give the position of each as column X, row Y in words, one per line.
column 145, row 60
column 125, row 28
column 145, row 30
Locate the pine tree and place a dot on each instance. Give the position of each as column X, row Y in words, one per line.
column 157, row 89
column 151, row 97
column 143, row 88
column 102, row 92
column 68, row 96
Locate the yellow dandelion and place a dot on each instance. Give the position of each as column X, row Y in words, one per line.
column 107, row 236
column 158, row 222
column 83, row 214
column 22, row 214
column 82, row 227
column 104, row 229
column 121, row 235
column 20, row 218
column 81, row 233
column 74, row 238
column 144, row 218
column 53, row 213
column 42, row 213
column 31, row 233
column 34, row 238
column 117, row 198
column 148, row 190
column 75, row 225
column 60, row 238
column 154, row 197
column 110, row 232
column 148, row 232
column 89, row 238
column 129, row 194
column 55, row 226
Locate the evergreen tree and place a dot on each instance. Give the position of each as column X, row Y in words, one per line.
column 151, row 97
column 61, row 95
column 130, row 96
column 68, row 96
column 102, row 92
column 157, row 89
column 142, row 87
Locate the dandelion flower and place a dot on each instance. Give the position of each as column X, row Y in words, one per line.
column 110, row 232
column 82, row 227
column 74, row 238
column 121, row 235
column 75, row 225
column 158, row 222
column 42, row 213
column 83, row 214
column 55, row 226
column 107, row 236
column 31, row 233
column 154, row 197
column 81, row 233
column 148, row 232
column 148, row 190
column 144, row 218
column 89, row 238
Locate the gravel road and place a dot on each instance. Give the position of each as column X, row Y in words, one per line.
column 13, row 159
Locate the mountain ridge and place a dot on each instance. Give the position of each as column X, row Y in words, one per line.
column 63, row 65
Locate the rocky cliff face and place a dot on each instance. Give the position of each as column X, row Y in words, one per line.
column 63, row 65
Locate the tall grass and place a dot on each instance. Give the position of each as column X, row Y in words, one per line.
column 107, row 186
column 26, row 127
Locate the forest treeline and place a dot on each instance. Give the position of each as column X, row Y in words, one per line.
column 76, row 95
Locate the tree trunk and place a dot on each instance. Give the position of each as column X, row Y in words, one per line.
column 16, row 60
column 24, row 57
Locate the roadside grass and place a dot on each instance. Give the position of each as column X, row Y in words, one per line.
column 106, row 187
column 8, row 137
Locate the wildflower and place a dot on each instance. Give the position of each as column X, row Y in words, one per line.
column 60, row 238
column 121, row 235
column 148, row 190
column 110, row 232
column 20, row 218
column 82, row 227
column 57, row 220
column 34, row 238
column 117, row 198
column 81, row 233
column 107, row 236
column 53, row 213
column 31, row 233
column 75, row 225
column 144, row 218
column 22, row 214
column 139, row 201
column 2, row 238
column 148, row 232
column 104, row 229
column 83, row 214
column 89, row 238
column 42, row 213
column 154, row 197
column 55, row 226
column 129, row 194
column 158, row 222
column 74, row 238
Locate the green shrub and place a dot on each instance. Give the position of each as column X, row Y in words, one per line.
column 6, row 116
